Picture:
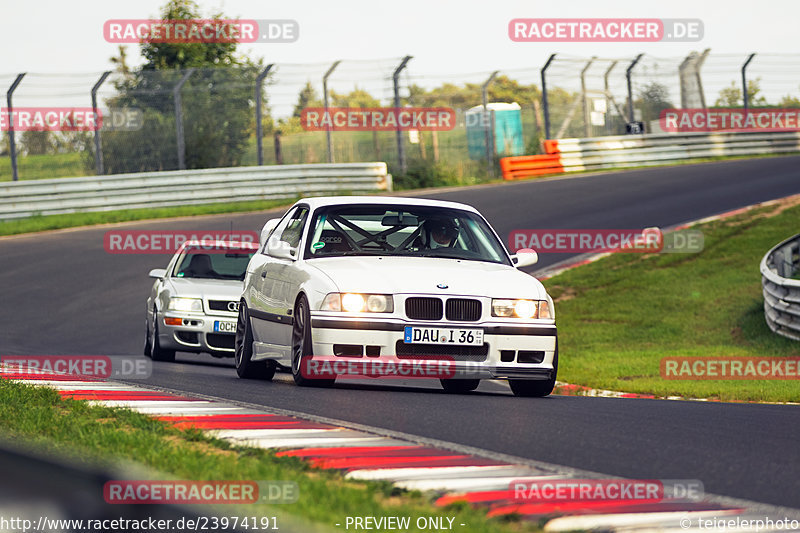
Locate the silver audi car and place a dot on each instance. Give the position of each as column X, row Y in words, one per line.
column 194, row 302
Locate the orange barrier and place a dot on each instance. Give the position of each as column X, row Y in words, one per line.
column 550, row 146
column 530, row 165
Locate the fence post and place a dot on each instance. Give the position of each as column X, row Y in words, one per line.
column 544, row 98
column 489, row 126
column 325, row 96
column 401, row 151
column 630, row 90
column 586, row 126
column 607, row 94
column 12, row 146
column 98, row 147
column 698, row 66
column 745, row 96
column 176, row 95
column 259, row 127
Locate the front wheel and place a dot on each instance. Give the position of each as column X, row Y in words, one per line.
column 536, row 388
column 243, row 350
column 157, row 353
column 459, row 385
column 302, row 347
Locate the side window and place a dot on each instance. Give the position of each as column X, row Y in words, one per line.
column 290, row 229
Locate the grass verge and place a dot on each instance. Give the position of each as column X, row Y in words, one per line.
column 51, row 222
column 617, row 317
column 104, row 435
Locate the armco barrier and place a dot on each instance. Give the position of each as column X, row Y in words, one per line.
column 596, row 153
column 188, row 187
column 782, row 294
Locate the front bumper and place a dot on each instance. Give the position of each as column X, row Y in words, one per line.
column 196, row 333
column 511, row 350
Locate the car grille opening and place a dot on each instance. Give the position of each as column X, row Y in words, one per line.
column 348, row 350
column 220, row 341
column 507, row 356
column 222, row 305
column 187, row 337
column 530, row 356
column 457, row 353
column 373, row 351
column 424, row 308
column 463, row 310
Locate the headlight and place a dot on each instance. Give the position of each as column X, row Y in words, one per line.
column 358, row 303
column 520, row 308
column 185, row 304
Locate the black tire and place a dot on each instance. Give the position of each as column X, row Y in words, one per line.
column 536, row 388
column 246, row 368
column 157, row 353
column 459, row 386
column 301, row 345
column 148, row 349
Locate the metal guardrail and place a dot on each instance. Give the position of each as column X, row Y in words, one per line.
column 188, row 187
column 622, row 151
column 782, row 294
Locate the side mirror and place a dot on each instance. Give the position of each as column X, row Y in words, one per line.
column 281, row 250
column 266, row 230
column 525, row 257
column 158, row 273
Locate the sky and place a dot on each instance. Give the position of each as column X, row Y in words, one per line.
column 449, row 40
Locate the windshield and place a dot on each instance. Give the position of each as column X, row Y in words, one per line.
column 212, row 263
column 402, row 230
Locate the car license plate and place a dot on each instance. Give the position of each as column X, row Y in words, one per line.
column 224, row 327
column 458, row 337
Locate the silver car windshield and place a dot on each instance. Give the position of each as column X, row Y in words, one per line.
column 400, row 230
column 212, row 263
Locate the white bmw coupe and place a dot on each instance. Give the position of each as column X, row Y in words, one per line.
column 379, row 280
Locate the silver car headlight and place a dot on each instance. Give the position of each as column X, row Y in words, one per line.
column 352, row 302
column 525, row 309
column 185, row 304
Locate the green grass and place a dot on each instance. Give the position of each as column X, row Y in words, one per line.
column 51, row 222
column 38, row 167
column 101, row 435
column 619, row 316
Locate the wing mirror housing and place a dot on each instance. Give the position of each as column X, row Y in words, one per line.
column 281, row 250
column 525, row 257
column 158, row 273
column 266, row 230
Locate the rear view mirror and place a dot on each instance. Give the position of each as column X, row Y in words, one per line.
column 395, row 220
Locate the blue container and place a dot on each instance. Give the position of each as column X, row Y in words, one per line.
column 507, row 129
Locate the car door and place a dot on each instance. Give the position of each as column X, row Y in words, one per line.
column 270, row 310
column 282, row 273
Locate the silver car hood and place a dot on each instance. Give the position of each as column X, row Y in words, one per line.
column 214, row 289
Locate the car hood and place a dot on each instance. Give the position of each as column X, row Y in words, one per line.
column 422, row 275
column 216, row 289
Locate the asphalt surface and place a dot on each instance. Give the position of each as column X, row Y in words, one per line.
column 63, row 294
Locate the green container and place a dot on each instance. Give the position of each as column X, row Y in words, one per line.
column 507, row 129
